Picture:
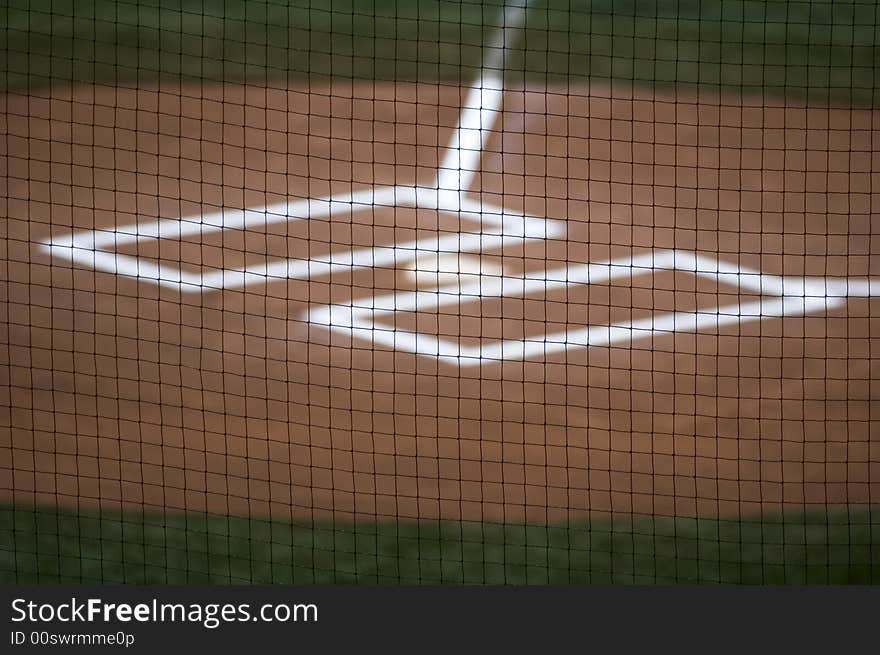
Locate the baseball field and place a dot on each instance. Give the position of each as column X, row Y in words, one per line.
column 488, row 292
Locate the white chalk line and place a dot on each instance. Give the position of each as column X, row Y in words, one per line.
column 97, row 249
column 789, row 296
column 498, row 228
column 454, row 352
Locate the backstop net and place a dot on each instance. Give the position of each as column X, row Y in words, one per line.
column 417, row 291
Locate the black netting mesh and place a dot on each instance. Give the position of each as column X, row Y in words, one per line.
column 416, row 291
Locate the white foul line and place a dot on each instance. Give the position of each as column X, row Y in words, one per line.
column 481, row 109
column 498, row 228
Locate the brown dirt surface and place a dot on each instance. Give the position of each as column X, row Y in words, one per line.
column 118, row 390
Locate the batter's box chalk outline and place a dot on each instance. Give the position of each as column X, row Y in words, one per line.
column 780, row 296
column 498, row 228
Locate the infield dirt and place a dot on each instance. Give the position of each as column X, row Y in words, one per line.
column 114, row 389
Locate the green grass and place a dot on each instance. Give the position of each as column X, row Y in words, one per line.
column 821, row 49
column 46, row 544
